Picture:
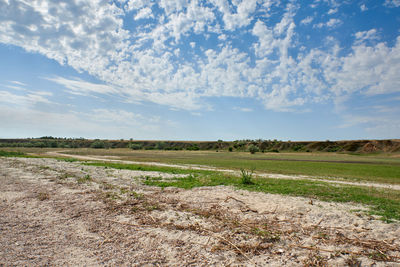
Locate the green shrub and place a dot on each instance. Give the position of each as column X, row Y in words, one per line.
column 253, row 149
column 193, row 147
column 97, row 144
column 134, row 146
column 298, row 147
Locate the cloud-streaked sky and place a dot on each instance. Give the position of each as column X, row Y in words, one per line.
column 200, row 70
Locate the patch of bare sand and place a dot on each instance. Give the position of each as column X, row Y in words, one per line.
column 50, row 216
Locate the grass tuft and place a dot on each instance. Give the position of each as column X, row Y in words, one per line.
column 84, row 179
column 247, row 176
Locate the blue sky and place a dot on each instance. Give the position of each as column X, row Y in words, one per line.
column 200, row 70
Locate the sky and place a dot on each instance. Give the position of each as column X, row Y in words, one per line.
column 200, row 70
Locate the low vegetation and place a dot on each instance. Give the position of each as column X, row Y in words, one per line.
column 382, row 202
column 252, row 146
column 11, row 154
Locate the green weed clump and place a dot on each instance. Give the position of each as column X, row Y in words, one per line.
column 247, row 176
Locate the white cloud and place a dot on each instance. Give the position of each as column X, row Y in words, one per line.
column 239, row 19
column 331, row 23
column 332, row 11
column 363, row 8
column 392, row 3
column 144, row 13
column 307, row 20
column 376, row 126
column 369, row 69
column 243, row 109
column 18, row 83
column 362, row 37
column 147, row 63
column 28, row 99
column 96, row 123
column 137, row 4
column 78, row 86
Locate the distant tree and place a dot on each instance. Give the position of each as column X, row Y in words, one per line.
column 134, row 146
column 97, row 144
column 193, row 147
column 253, row 149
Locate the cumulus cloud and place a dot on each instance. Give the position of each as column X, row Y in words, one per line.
column 144, row 13
column 370, row 69
column 364, row 36
column 148, row 62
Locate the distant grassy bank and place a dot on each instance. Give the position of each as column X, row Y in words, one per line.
column 252, row 146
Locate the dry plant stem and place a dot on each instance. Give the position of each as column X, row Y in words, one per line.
column 230, row 243
column 388, row 258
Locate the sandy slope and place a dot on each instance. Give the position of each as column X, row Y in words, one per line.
column 59, row 213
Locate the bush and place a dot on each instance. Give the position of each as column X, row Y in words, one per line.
column 230, row 149
column 97, row 144
column 160, row 145
column 193, row 147
column 298, row 147
column 134, row 146
column 253, row 149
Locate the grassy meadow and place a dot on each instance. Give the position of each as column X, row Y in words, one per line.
column 378, row 168
column 382, row 168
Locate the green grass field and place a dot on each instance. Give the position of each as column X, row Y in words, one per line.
column 379, row 168
column 382, row 168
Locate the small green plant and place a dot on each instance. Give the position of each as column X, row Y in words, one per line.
column 266, row 235
column 247, row 176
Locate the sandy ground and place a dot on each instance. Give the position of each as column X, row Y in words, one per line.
column 61, row 213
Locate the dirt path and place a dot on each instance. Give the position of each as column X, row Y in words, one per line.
column 234, row 172
column 61, row 213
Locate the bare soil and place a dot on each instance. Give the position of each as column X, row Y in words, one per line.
column 62, row 213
